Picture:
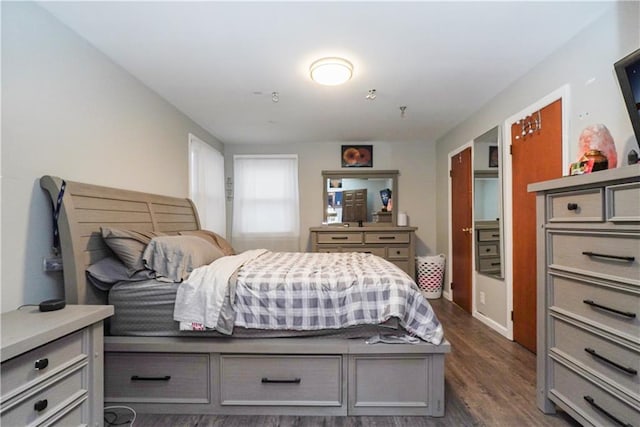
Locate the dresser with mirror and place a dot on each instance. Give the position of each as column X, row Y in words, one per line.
column 355, row 218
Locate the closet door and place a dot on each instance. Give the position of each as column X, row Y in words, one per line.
column 461, row 228
column 536, row 157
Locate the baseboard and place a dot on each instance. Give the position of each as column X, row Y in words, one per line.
column 492, row 324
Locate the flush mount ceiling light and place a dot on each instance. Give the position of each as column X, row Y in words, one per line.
column 331, row 71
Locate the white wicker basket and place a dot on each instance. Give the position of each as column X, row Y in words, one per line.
column 430, row 275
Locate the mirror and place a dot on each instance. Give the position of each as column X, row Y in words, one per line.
column 487, row 203
column 351, row 196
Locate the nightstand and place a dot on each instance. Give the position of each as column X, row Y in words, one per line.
column 52, row 366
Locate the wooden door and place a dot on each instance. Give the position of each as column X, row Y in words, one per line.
column 536, row 157
column 354, row 205
column 461, row 228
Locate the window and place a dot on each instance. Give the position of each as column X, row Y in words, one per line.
column 265, row 205
column 206, row 185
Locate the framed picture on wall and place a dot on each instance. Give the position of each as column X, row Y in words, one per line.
column 357, row 156
column 493, row 156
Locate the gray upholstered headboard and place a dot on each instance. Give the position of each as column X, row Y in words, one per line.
column 85, row 208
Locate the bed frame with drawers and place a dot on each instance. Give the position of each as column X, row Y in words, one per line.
column 186, row 375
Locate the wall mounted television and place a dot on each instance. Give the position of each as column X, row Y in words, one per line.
column 628, row 72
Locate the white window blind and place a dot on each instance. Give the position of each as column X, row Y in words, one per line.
column 266, row 212
column 206, row 185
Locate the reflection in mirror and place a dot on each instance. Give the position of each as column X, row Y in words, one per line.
column 487, row 204
column 486, row 194
column 354, row 196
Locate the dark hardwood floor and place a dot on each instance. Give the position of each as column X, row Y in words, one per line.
column 494, row 378
column 490, row 381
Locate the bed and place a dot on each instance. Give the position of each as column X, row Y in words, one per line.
column 160, row 368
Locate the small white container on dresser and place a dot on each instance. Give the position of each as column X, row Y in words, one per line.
column 52, row 366
column 588, row 250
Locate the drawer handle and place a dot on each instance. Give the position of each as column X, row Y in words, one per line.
column 41, row 364
column 495, row 235
column 622, row 258
column 629, row 371
column 266, row 380
column 138, row 378
column 339, row 237
column 572, row 206
column 40, row 405
column 487, row 250
column 495, row 263
column 386, row 237
column 593, row 403
column 397, row 252
column 613, row 310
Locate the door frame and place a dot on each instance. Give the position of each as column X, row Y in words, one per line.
column 562, row 93
column 449, row 295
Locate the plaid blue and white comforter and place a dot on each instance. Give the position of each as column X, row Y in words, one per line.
column 313, row 291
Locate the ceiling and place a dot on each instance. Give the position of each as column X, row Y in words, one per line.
column 219, row 62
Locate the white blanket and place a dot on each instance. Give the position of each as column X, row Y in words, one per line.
column 200, row 298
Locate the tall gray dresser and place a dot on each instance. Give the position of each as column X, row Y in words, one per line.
column 52, row 366
column 588, row 250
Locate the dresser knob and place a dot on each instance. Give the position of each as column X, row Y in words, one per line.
column 572, row 206
column 41, row 364
column 40, row 405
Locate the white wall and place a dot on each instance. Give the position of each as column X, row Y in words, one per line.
column 417, row 189
column 585, row 63
column 68, row 110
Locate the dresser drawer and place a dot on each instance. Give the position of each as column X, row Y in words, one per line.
column 488, row 250
column 576, row 206
column 156, row 377
column 71, row 416
column 614, row 257
column 394, row 252
column 379, row 251
column 281, row 380
column 388, row 382
column 488, row 235
column 489, row 265
column 578, row 392
column 620, row 365
column 22, row 372
column 623, row 202
column 340, row 237
column 594, row 304
column 386, row 237
column 329, row 249
column 402, row 265
column 49, row 400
